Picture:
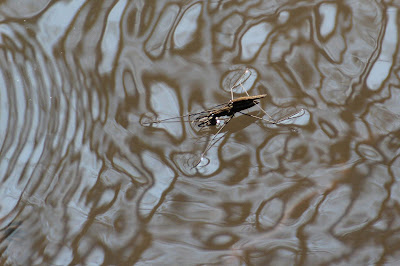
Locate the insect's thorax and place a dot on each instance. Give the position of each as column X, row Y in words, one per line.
column 229, row 109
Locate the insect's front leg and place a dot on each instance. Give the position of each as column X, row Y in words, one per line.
column 223, row 120
column 213, row 120
column 206, row 121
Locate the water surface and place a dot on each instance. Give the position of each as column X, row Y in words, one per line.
column 84, row 182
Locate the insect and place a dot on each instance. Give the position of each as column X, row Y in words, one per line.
column 226, row 112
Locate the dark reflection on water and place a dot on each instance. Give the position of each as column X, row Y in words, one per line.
column 87, row 182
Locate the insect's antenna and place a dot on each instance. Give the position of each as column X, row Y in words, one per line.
column 212, row 142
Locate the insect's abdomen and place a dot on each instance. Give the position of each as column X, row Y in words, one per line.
column 243, row 103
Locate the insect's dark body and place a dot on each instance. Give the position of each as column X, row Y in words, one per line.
column 228, row 109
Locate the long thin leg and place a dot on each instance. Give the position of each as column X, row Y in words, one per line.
column 239, row 82
column 259, row 107
column 175, row 118
column 171, row 119
column 241, row 85
column 295, row 115
column 292, row 116
column 212, row 142
column 260, row 118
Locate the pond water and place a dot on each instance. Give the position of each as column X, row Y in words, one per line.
column 85, row 181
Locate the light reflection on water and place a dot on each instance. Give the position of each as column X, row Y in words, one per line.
column 83, row 181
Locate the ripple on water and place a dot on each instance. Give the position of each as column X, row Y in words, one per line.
column 95, row 182
column 369, row 152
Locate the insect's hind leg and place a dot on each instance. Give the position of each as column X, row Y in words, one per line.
column 243, row 79
column 272, row 120
column 279, row 121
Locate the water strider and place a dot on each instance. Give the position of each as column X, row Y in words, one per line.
column 228, row 110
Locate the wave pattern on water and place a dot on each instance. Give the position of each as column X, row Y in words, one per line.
column 84, row 181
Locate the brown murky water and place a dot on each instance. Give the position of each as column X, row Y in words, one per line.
column 84, row 182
